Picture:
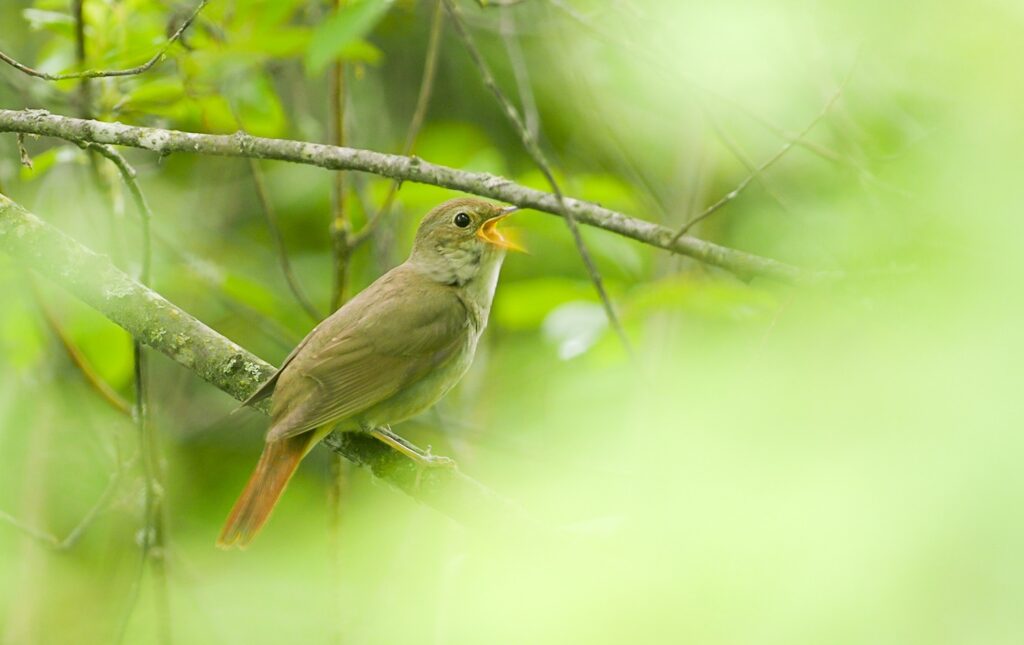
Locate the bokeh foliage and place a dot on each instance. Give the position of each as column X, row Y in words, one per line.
column 833, row 464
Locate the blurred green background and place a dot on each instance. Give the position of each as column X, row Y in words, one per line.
column 833, row 464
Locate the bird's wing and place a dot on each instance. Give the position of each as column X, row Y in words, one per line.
column 267, row 387
column 389, row 336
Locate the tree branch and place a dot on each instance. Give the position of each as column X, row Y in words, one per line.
column 405, row 168
column 760, row 170
column 69, row 540
column 540, row 159
column 78, row 358
column 340, row 227
column 149, row 317
column 99, row 73
column 270, row 215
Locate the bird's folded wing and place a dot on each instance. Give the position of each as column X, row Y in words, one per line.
column 386, row 341
column 267, row 387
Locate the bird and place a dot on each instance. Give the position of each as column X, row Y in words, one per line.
column 389, row 353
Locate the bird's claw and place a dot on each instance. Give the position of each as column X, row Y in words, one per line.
column 437, row 461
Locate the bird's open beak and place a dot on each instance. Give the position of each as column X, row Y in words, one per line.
column 489, row 232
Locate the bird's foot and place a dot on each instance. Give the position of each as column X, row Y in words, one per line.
column 431, row 460
column 424, row 459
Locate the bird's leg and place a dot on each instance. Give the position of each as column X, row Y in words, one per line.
column 385, row 435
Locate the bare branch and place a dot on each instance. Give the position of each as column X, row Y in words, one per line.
column 533, row 149
column 270, row 214
column 96, row 73
column 740, row 156
column 613, row 38
column 341, row 226
column 768, row 163
column 84, row 86
column 531, row 116
column 61, row 544
column 79, row 359
column 165, row 142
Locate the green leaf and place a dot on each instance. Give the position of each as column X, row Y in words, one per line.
column 345, row 27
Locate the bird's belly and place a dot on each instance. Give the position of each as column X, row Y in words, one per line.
column 419, row 396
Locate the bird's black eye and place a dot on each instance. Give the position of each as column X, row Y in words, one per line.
column 461, row 220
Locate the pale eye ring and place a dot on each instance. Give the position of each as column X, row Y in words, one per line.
column 461, row 220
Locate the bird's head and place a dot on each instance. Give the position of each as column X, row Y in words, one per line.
column 460, row 238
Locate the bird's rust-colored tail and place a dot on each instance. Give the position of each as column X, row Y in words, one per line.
column 276, row 466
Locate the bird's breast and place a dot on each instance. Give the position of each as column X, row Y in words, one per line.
column 421, row 395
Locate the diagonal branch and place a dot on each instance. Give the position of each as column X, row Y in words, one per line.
column 737, row 152
column 149, row 317
column 98, row 73
column 241, row 145
column 768, row 163
column 270, row 215
column 517, row 62
column 533, row 149
column 69, row 540
column 106, row 392
column 274, row 228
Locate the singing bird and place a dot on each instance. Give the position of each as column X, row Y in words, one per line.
column 388, row 354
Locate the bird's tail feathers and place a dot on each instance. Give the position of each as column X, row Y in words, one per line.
column 276, row 466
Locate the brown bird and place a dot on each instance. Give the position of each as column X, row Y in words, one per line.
column 388, row 354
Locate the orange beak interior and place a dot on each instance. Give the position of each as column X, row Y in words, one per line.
column 489, row 233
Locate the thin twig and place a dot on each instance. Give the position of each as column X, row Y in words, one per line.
column 128, row 174
column 95, row 73
column 341, row 255
column 533, row 149
column 340, row 226
column 270, row 215
column 84, row 86
column 740, row 156
column 415, row 124
column 79, row 359
column 624, row 154
column 786, row 147
column 274, row 227
column 660, row 62
column 69, row 540
column 516, row 60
